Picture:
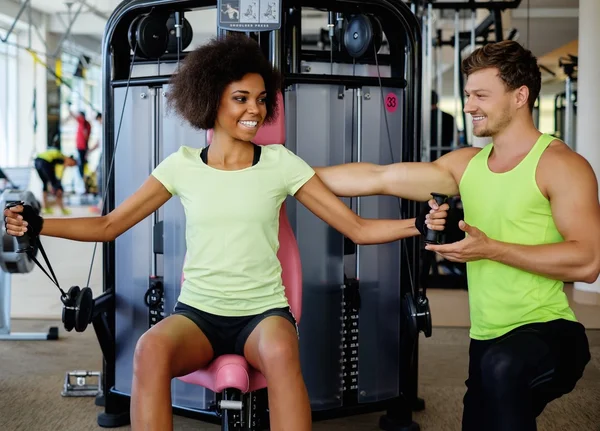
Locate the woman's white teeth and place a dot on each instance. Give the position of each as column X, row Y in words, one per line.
column 249, row 123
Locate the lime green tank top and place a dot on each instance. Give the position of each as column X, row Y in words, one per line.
column 509, row 207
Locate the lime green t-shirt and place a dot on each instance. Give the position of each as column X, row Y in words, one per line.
column 509, row 207
column 232, row 228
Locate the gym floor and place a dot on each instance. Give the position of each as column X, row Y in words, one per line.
column 32, row 373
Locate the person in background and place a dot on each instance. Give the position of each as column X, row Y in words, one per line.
column 97, row 209
column 45, row 165
column 447, row 129
column 84, row 129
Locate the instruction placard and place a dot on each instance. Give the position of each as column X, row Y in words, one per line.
column 249, row 15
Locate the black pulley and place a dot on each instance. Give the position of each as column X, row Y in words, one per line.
column 363, row 36
column 85, row 308
column 69, row 312
column 150, row 34
column 187, row 34
column 78, row 308
column 417, row 314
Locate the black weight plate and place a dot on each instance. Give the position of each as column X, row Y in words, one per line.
column 68, row 319
column 428, row 328
column 85, row 307
column 68, row 314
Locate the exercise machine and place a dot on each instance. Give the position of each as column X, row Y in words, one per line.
column 362, row 309
column 14, row 262
column 565, row 104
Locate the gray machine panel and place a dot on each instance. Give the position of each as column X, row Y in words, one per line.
column 132, row 260
column 175, row 132
column 133, row 165
column 324, row 265
column 379, row 324
column 314, row 115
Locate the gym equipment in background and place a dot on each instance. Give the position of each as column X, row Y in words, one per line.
column 14, row 262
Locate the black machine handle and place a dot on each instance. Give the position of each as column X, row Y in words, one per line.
column 23, row 241
column 434, row 236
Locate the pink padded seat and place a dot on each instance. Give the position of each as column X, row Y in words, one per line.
column 233, row 371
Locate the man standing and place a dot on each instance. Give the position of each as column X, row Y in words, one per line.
column 532, row 221
column 84, row 129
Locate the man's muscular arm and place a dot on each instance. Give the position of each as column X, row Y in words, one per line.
column 414, row 181
column 573, row 193
column 571, row 186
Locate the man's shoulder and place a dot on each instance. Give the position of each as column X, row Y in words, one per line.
column 456, row 161
column 560, row 164
column 560, row 155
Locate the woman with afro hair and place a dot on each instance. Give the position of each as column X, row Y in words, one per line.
column 232, row 299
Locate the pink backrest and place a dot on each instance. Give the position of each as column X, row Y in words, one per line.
column 288, row 254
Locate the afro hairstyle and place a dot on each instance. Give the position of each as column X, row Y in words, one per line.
column 197, row 88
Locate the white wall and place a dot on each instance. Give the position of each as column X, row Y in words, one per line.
column 31, row 76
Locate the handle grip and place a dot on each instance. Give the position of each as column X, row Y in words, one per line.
column 23, row 242
column 434, row 236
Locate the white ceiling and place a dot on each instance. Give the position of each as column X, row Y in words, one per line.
column 56, row 6
column 543, row 25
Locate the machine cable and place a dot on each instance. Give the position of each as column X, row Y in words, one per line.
column 416, row 309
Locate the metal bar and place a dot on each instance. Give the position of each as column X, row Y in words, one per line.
column 68, row 32
column 154, row 137
column 5, row 302
column 457, row 50
column 30, row 23
column 568, row 126
column 359, row 130
column 472, row 4
column 94, row 10
column 473, row 21
column 498, row 25
column 14, row 23
column 440, row 85
column 275, row 45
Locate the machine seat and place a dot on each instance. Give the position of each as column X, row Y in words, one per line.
column 227, row 372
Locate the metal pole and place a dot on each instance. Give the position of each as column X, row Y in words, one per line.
column 426, row 85
column 456, row 73
column 275, row 53
column 569, row 112
column 30, row 24
column 14, row 23
column 68, row 32
column 359, row 105
column 154, row 161
column 440, row 91
column 429, row 85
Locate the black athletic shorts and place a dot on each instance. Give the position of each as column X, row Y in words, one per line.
column 228, row 335
column 47, row 174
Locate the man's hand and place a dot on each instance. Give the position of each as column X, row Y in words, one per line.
column 475, row 246
column 432, row 217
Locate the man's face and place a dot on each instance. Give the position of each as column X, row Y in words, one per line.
column 491, row 106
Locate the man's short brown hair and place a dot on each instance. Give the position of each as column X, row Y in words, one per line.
column 517, row 66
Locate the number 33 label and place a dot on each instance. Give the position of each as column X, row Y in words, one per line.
column 391, row 102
